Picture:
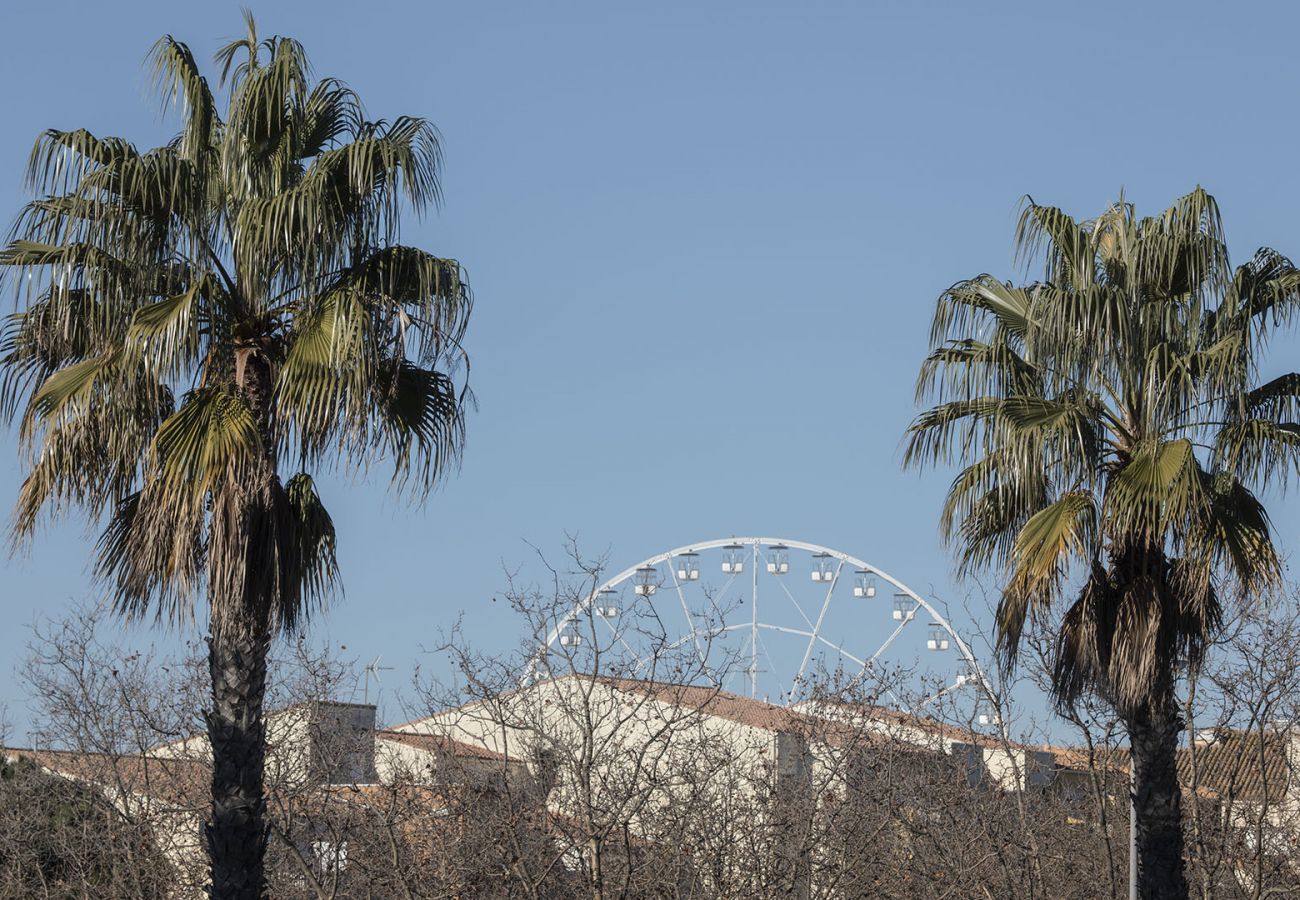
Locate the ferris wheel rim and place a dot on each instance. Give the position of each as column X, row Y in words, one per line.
column 756, row 542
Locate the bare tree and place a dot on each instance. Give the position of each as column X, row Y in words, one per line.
column 615, row 766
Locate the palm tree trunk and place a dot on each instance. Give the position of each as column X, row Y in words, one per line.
column 243, row 589
column 1153, row 737
column 237, row 833
column 243, row 582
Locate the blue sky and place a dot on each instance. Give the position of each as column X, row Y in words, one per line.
column 705, row 241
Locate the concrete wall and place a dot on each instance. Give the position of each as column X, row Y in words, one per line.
column 318, row 742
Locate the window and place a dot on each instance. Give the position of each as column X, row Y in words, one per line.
column 331, row 856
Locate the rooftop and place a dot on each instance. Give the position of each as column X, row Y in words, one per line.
column 436, row 743
column 1237, row 765
column 179, row 782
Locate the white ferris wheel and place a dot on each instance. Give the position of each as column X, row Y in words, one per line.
column 778, row 615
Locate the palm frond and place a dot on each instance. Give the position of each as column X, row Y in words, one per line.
column 309, row 565
column 61, row 159
column 422, row 423
column 180, row 83
column 153, row 561
column 1234, row 537
column 1160, row 486
column 1259, row 450
column 1082, row 654
column 969, row 305
column 68, row 392
column 211, row 438
column 1040, row 558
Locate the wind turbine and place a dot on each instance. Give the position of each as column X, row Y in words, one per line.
column 374, row 668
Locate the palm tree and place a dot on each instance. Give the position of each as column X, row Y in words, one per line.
column 196, row 318
column 1114, row 439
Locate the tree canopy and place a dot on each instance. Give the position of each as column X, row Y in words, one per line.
column 1115, row 434
column 235, row 299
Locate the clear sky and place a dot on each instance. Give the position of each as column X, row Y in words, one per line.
column 705, row 241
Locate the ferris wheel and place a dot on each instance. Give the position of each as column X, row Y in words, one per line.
column 776, row 614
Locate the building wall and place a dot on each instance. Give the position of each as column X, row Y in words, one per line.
column 315, row 742
column 395, row 762
column 629, row 740
column 1009, row 767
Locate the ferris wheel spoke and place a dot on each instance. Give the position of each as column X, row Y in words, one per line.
column 686, row 611
column 943, row 692
column 766, row 626
column 817, row 630
column 908, row 617
column 865, row 666
column 680, row 642
column 722, row 593
column 618, row 636
column 641, row 661
column 794, row 602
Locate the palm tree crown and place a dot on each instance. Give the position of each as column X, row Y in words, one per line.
column 1114, row 436
column 193, row 316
